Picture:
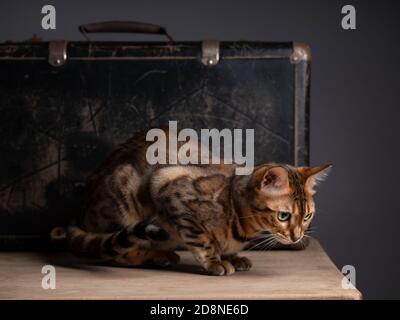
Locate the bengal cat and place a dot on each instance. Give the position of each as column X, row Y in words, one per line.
column 135, row 213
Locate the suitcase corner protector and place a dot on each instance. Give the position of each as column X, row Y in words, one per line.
column 301, row 52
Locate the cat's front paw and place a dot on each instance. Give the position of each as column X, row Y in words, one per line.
column 221, row 268
column 241, row 263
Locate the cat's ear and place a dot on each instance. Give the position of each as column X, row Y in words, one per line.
column 314, row 175
column 275, row 181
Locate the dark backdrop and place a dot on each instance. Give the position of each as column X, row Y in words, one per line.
column 355, row 97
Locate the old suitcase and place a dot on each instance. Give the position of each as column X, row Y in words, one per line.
column 64, row 106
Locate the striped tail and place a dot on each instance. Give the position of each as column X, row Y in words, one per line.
column 109, row 245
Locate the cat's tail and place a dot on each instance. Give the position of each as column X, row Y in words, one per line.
column 108, row 245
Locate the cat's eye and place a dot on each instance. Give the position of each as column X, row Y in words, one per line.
column 308, row 216
column 283, row 216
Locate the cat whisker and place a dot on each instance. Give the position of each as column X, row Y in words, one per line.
column 268, row 246
column 263, row 241
column 256, row 245
column 271, row 244
column 265, row 236
column 267, row 243
column 306, row 235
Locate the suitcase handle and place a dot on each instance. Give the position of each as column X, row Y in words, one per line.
column 123, row 27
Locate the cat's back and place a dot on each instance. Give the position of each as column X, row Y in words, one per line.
column 200, row 179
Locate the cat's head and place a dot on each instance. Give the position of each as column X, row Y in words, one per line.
column 283, row 196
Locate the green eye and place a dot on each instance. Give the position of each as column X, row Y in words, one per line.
column 308, row 216
column 283, row 216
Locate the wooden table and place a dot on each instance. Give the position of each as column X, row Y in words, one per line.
column 307, row 274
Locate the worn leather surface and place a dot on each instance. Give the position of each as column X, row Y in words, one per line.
column 58, row 123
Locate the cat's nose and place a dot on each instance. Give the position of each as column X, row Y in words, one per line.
column 295, row 238
column 296, row 234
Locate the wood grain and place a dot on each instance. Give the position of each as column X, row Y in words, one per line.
column 307, row 274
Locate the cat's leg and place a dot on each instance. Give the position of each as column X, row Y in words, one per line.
column 150, row 257
column 196, row 238
column 239, row 263
column 182, row 205
column 203, row 246
column 212, row 261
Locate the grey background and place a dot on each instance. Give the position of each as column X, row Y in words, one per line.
column 355, row 97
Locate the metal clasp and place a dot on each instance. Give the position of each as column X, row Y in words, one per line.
column 210, row 52
column 57, row 52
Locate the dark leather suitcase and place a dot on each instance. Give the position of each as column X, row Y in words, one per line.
column 64, row 106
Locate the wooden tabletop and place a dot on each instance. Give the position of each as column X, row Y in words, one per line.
column 307, row 274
